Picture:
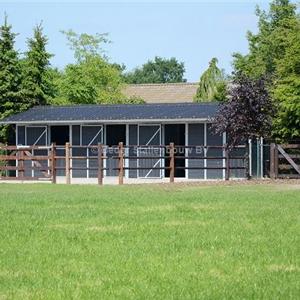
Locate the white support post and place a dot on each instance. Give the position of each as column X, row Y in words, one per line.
column 262, row 157
column 127, row 152
column 17, row 143
column 205, row 151
column 257, row 158
column 186, row 151
column 224, row 153
column 250, row 157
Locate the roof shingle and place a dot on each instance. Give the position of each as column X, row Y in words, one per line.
column 112, row 113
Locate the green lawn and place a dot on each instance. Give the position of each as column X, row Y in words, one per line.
column 149, row 242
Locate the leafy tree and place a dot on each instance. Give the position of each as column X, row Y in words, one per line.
column 274, row 53
column 247, row 113
column 37, row 85
column 92, row 79
column 10, row 79
column 286, row 89
column 56, row 78
column 268, row 45
column 159, row 70
column 86, row 45
column 212, row 85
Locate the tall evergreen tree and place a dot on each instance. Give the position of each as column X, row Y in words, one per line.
column 10, row 78
column 37, row 86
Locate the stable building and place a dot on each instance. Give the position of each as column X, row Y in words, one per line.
column 144, row 130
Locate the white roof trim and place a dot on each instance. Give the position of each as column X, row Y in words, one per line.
column 131, row 121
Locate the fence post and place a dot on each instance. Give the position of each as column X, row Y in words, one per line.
column 21, row 162
column 100, row 164
column 53, row 162
column 247, row 161
column 273, row 161
column 172, row 162
column 276, row 162
column 227, row 163
column 121, row 161
column 18, row 173
column 68, row 173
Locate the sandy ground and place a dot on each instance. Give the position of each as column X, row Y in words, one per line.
column 180, row 182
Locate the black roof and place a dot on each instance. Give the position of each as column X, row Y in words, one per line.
column 113, row 113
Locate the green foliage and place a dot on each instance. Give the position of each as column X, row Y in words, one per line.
column 212, row 85
column 286, row 90
column 268, row 45
column 10, row 78
column 86, row 45
column 149, row 241
column 247, row 113
column 92, row 79
column 274, row 53
column 37, row 84
column 159, row 70
column 133, row 100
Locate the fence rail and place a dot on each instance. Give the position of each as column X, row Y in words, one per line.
column 285, row 161
column 44, row 162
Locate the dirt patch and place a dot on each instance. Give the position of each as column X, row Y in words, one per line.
column 177, row 186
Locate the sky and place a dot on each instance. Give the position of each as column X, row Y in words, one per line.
column 191, row 31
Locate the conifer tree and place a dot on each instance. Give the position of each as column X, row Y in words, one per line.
column 37, row 87
column 10, row 78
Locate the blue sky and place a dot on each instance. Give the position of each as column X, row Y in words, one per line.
column 191, row 31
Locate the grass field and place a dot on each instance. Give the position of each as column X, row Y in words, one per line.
column 149, row 242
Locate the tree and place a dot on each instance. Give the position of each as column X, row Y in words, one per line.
column 274, row 53
column 92, row 79
column 286, row 89
column 37, row 85
column 212, row 85
column 268, row 45
column 159, row 70
column 10, row 78
column 86, row 45
column 247, row 113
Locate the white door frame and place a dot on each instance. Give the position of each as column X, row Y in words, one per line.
column 160, row 149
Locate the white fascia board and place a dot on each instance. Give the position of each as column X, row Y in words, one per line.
column 131, row 121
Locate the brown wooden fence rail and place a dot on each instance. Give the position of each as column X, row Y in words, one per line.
column 16, row 161
column 13, row 158
column 285, row 161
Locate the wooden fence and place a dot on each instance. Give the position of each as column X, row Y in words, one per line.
column 285, row 161
column 44, row 162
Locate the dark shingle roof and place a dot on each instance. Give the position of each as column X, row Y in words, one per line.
column 111, row 113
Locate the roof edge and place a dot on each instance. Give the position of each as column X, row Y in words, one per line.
column 106, row 121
